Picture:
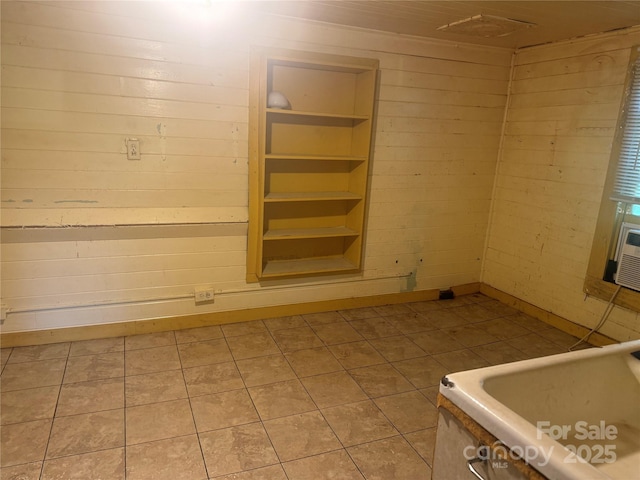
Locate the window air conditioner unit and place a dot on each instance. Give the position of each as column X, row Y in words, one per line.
column 628, row 274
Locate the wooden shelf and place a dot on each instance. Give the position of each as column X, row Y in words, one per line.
column 322, row 232
column 331, row 158
column 310, row 196
column 308, row 266
column 293, row 115
column 308, row 166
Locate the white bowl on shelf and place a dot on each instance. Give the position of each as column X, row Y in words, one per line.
column 278, row 100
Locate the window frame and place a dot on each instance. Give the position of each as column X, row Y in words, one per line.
column 608, row 223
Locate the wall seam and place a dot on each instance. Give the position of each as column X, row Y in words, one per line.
column 497, row 169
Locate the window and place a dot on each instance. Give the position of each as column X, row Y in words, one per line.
column 621, row 200
column 626, row 188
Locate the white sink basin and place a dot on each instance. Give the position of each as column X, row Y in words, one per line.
column 552, row 408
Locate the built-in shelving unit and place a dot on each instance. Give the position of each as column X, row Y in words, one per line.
column 308, row 163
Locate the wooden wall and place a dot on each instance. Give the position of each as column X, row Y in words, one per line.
column 115, row 236
column 562, row 113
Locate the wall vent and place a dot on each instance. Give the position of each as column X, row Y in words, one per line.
column 488, row 26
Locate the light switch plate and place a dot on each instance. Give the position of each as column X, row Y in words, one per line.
column 133, row 149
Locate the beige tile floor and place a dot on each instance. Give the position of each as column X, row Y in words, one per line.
column 335, row 395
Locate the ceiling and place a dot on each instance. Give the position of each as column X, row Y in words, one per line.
column 555, row 20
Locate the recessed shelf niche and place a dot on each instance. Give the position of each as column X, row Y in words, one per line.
column 308, row 164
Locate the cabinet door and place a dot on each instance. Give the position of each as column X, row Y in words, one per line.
column 455, row 446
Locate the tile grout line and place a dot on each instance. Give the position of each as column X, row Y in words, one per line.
column 280, row 462
column 370, row 399
column 193, row 417
column 318, row 409
column 400, row 434
column 125, row 406
column 246, row 389
column 53, row 419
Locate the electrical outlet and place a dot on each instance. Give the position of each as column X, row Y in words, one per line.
column 133, row 149
column 204, row 295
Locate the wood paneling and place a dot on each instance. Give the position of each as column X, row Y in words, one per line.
column 79, row 78
column 563, row 109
